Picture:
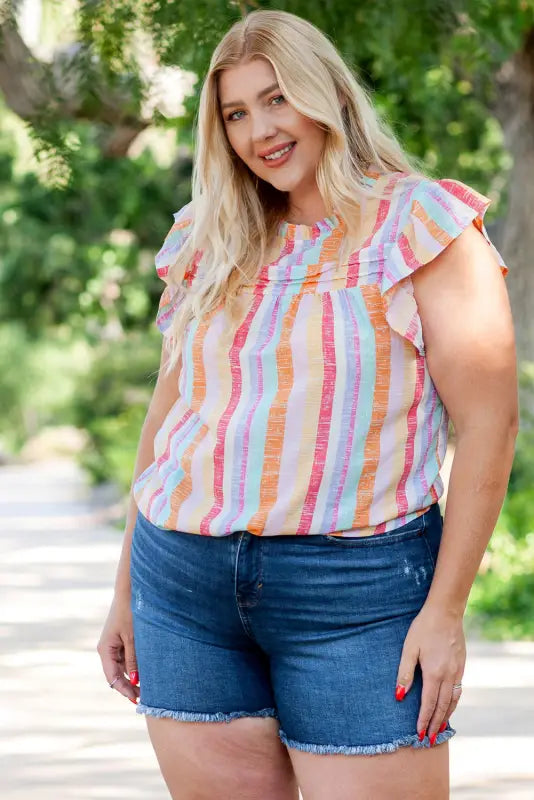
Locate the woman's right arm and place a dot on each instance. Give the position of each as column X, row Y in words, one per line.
column 164, row 396
column 116, row 645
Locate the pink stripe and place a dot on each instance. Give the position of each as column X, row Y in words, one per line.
column 325, row 414
column 218, row 451
column 170, row 436
column 463, row 194
column 407, row 252
column 353, row 272
column 152, row 499
column 402, row 500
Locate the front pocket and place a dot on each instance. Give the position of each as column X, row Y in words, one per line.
column 413, row 529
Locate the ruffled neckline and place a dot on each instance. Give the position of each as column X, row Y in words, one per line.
column 298, row 230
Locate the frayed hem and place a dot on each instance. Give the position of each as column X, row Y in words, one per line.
column 366, row 750
column 191, row 716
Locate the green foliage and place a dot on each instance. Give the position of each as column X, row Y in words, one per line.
column 502, row 595
column 83, row 255
column 111, row 402
column 38, row 381
column 501, row 598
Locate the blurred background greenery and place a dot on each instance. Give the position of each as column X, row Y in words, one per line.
column 97, row 105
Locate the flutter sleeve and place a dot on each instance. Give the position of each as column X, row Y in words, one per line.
column 172, row 294
column 439, row 210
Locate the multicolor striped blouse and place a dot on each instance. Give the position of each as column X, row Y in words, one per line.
column 319, row 415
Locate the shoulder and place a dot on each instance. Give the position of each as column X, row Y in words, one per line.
column 425, row 215
column 439, row 199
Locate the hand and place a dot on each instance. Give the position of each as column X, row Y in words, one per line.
column 436, row 639
column 116, row 649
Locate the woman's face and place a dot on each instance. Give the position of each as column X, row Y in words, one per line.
column 258, row 119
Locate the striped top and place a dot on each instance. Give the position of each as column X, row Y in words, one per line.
column 319, row 415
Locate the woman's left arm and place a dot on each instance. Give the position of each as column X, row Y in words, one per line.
column 470, row 349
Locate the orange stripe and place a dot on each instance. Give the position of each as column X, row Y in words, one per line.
column 183, row 490
column 432, row 227
column 274, row 435
column 198, row 394
column 329, row 252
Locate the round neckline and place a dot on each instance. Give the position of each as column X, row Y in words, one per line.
column 299, row 230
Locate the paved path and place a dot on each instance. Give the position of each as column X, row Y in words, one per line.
column 65, row 736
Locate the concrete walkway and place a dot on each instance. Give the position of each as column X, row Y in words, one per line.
column 65, row 736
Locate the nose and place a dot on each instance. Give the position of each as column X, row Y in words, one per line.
column 262, row 128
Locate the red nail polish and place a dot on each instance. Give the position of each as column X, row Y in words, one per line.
column 433, row 739
column 443, row 726
column 422, row 735
column 133, row 700
column 134, row 677
column 400, row 692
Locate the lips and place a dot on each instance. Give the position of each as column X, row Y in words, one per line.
column 275, row 149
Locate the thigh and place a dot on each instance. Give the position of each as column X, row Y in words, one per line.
column 333, row 618
column 240, row 760
column 406, row 774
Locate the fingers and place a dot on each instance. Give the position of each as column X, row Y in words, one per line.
column 429, row 701
column 405, row 673
column 115, row 663
column 456, row 694
column 439, row 700
column 439, row 713
column 131, row 662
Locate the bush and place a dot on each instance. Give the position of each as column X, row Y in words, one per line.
column 111, row 403
column 38, row 379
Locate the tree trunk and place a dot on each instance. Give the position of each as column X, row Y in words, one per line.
column 515, row 111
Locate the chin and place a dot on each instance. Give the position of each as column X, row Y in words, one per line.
column 287, row 185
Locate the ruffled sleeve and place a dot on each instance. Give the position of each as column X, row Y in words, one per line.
column 438, row 211
column 172, row 294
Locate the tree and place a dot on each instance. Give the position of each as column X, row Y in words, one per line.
column 454, row 77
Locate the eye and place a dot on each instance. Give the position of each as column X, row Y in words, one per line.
column 230, row 117
column 278, row 97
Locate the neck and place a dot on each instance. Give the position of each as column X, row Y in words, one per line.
column 305, row 209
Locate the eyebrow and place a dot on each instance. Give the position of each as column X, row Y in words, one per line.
column 260, row 94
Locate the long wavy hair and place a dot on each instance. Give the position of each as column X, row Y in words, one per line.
column 235, row 214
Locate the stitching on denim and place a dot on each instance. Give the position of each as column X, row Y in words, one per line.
column 429, row 549
column 370, row 750
column 240, row 609
column 244, row 620
column 389, row 536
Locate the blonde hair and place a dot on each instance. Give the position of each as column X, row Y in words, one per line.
column 235, row 214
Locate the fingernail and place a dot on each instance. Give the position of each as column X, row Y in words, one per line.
column 134, row 677
column 133, row 700
column 433, row 739
column 400, row 691
column 443, row 726
column 422, row 735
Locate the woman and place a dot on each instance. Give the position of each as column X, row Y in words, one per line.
column 286, row 574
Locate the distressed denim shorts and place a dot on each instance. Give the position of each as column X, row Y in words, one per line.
column 306, row 629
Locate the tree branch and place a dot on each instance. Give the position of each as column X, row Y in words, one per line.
column 35, row 90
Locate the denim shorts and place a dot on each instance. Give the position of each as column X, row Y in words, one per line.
column 306, row 629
